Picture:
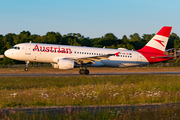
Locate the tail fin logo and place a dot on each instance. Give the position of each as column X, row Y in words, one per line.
column 160, row 41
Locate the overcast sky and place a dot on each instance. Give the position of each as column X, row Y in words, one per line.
column 91, row 18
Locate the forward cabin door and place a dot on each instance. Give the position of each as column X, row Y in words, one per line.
column 28, row 49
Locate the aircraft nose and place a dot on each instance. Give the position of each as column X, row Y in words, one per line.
column 7, row 53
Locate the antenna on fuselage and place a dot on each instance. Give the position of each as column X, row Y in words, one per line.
column 30, row 41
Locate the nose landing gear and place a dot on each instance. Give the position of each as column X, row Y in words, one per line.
column 26, row 68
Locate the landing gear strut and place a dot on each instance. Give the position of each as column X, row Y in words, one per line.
column 84, row 71
column 26, row 68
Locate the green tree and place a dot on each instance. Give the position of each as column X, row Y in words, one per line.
column 135, row 37
column 36, row 39
column 86, row 42
column 147, row 37
column 173, row 41
column 24, row 36
column 2, row 44
column 125, row 39
column 108, row 40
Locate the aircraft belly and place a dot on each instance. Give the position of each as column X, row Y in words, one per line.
column 113, row 63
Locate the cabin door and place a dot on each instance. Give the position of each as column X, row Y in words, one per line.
column 28, row 50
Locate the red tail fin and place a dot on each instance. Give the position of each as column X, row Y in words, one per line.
column 158, row 43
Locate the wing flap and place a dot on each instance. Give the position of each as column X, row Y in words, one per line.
column 90, row 59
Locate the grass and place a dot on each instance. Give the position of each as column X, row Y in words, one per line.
column 88, row 90
column 162, row 113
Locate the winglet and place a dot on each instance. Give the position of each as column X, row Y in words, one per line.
column 117, row 54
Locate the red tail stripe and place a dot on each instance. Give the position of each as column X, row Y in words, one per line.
column 150, row 50
column 149, row 56
column 165, row 31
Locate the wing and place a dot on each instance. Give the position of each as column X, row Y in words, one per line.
column 86, row 60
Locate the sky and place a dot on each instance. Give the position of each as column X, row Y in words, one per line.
column 90, row 18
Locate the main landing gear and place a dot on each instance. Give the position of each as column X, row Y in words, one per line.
column 26, row 68
column 84, row 71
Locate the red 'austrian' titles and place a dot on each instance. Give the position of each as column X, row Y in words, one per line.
column 52, row 49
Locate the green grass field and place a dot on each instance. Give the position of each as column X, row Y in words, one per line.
column 91, row 90
column 138, row 114
column 88, row 90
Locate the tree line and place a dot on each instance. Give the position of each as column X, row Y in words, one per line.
column 109, row 40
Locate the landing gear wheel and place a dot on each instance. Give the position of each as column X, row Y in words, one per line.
column 86, row 72
column 25, row 69
column 81, row 71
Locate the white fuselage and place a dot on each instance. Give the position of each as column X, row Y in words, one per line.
column 50, row 53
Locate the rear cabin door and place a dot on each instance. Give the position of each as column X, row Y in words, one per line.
column 139, row 57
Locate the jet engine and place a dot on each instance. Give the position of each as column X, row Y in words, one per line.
column 64, row 64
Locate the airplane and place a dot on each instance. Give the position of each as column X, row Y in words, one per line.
column 68, row 57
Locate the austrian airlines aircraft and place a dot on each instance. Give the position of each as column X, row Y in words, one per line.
column 67, row 57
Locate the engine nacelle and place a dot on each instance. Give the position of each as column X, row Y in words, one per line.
column 64, row 64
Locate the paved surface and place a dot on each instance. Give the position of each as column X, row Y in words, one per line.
column 91, row 109
column 91, row 74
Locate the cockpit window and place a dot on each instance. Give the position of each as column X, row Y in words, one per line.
column 15, row 47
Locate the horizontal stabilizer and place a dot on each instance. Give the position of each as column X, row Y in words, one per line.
column 162, row 56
